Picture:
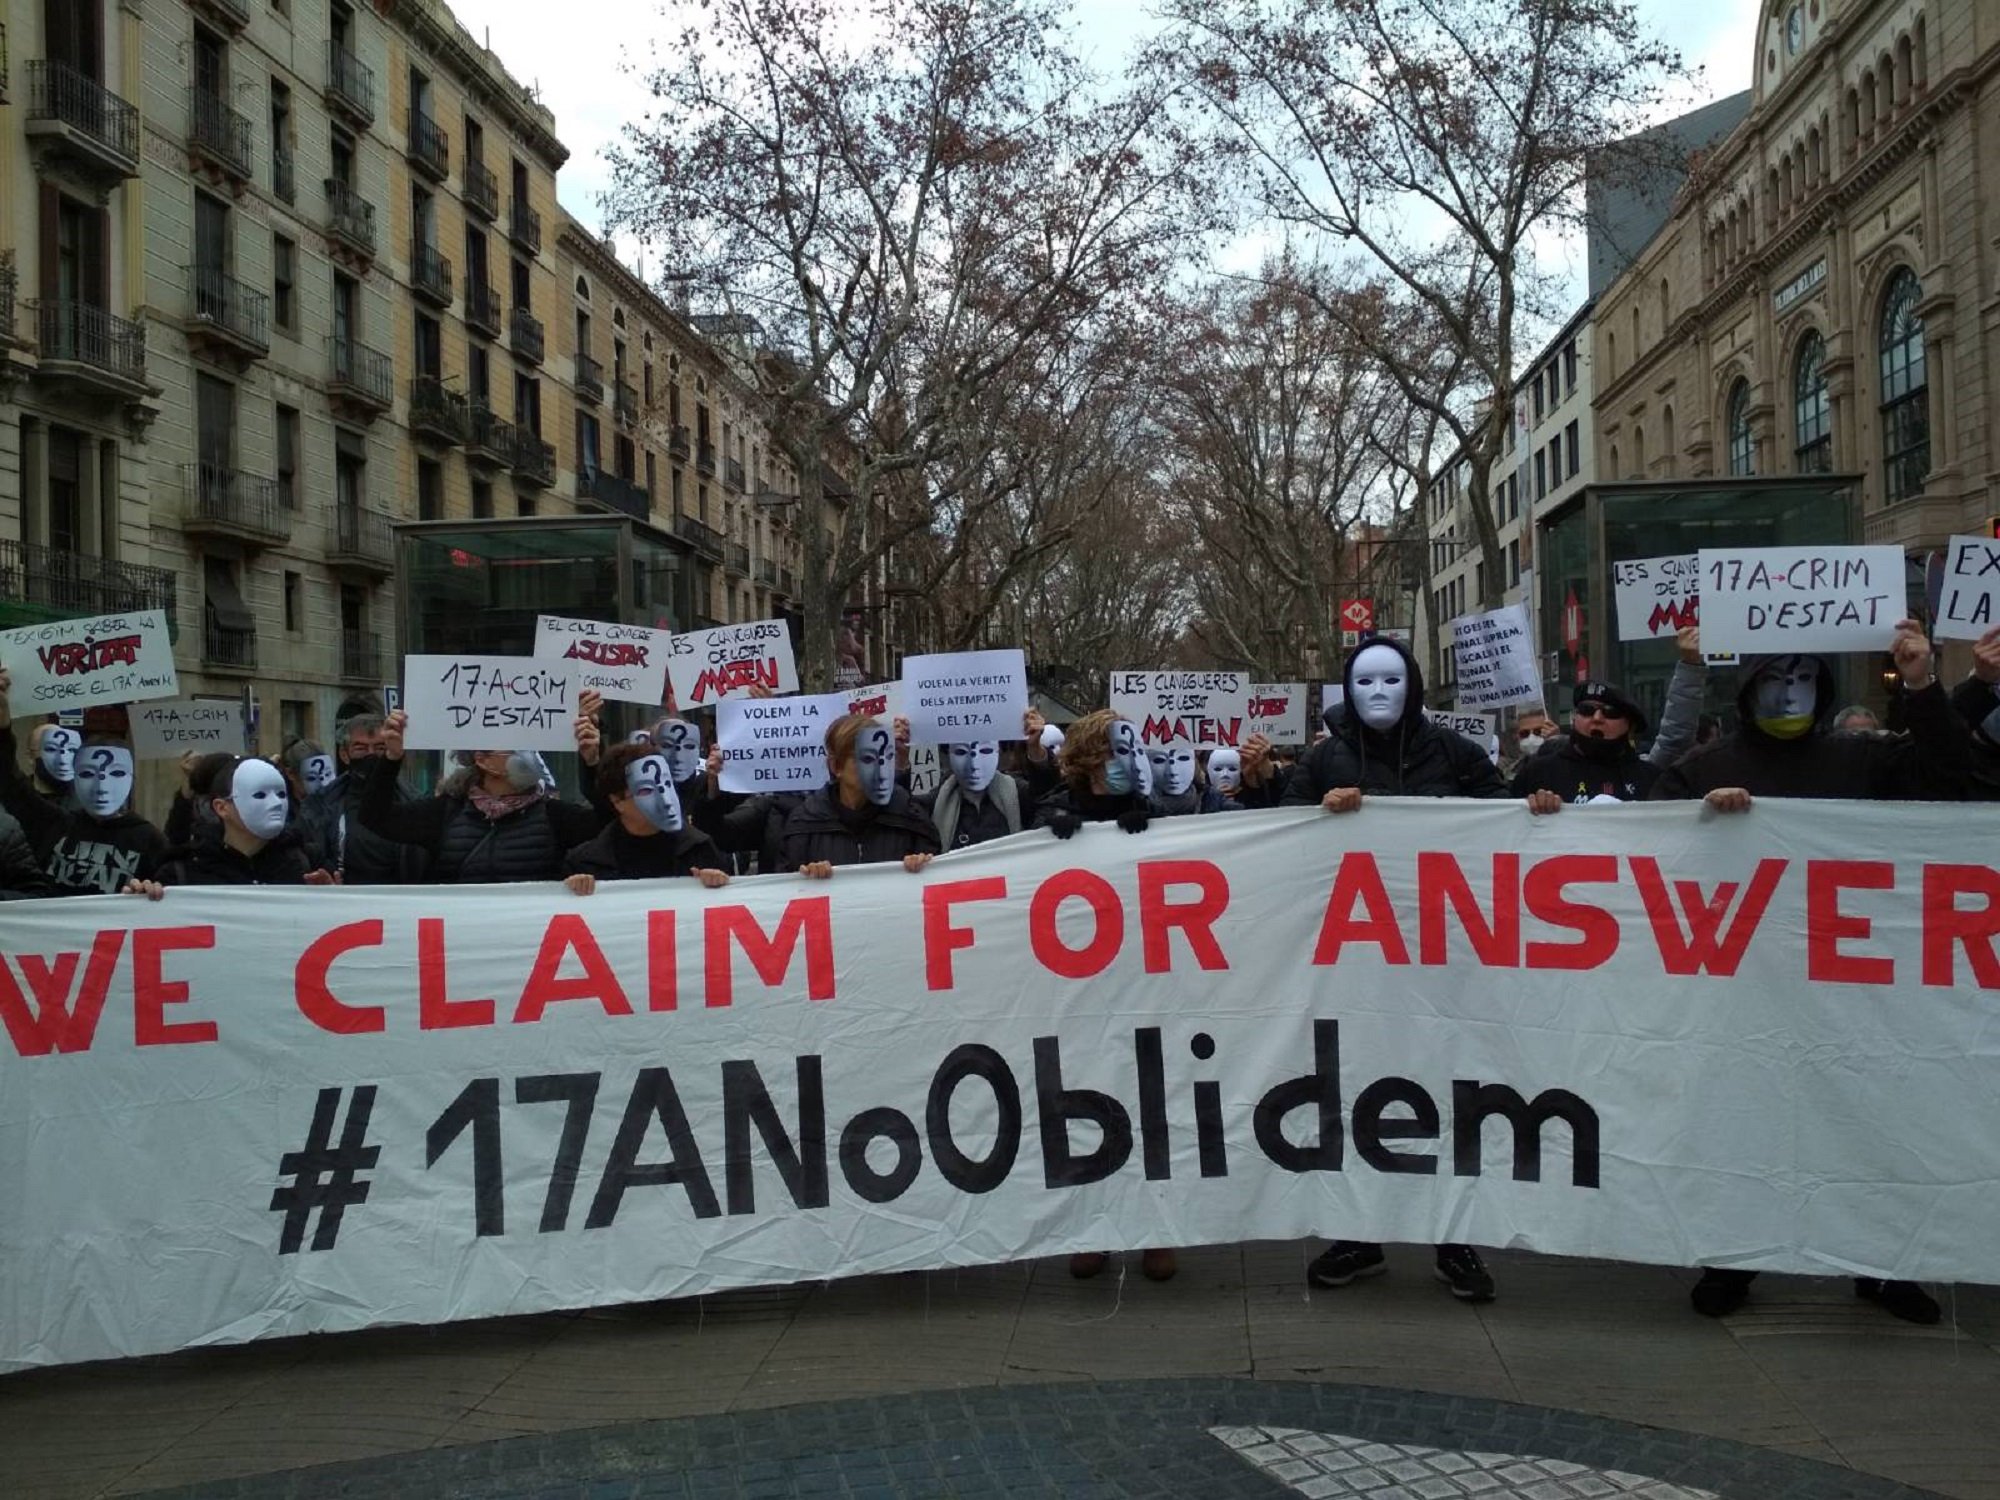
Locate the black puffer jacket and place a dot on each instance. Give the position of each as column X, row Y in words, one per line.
column 1973, row 700
column 21, row 877
column 820, row 829
column 1067, row 801
column 1576, row 775
column 210, row 861
column 617, row 855
column 752, row 827
column 466, row 847
column 1416, row 758
column 1930, row 763
column 361, row 855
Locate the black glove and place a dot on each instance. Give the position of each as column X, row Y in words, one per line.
column 1063, row 824
column 1134, row 821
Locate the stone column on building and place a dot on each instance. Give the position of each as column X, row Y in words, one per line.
column 90, row 502
column 34, row 480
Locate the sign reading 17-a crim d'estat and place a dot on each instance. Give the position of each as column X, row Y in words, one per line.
column 1801, row 598
column 489, row 703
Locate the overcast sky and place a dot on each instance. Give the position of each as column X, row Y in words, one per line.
column 580, row 53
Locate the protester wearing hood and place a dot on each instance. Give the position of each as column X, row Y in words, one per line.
column 861, row 816
column 96, row 847
column 1977, row 701
column 244, row 832
column 975, row 801
column 648, row 837
column 1783, row 747
column 1099, row 778
column 1380, row 743
column 492, row 820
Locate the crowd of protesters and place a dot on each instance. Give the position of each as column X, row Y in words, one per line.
column 655, row 808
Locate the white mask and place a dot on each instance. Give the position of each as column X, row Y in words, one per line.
column 58, row 754
column 639, row 737
column 262, row 800
column 1122, row 768
column 1173, row 768
column 972, row 766
column 317, row 772
column 1787, row 688
column 649, row 782
column 1142, row 773
column 875, row 760
column 680, row 742
column 1052, row 738
column 1225, row 771
column 1378, row 686
column 104, row 779
column 1531, row 743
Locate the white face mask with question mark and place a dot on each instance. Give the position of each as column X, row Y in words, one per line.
column 649, row 781
column 104, row 779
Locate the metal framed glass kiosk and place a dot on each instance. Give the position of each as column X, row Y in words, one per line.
column 1576, row 544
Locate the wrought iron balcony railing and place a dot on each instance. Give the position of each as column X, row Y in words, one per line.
column 525, row 332
column 589, row 380
column 350, row 83
column 430, row 146
column 221, row 500
column 59, row 583
column 525, row 225
column 482, row 190
column 219, row 134
column 93, row 340
column 84, row 115
column 238, row 311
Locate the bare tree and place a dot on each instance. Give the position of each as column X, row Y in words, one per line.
column 1435, row 139
column 915, row 198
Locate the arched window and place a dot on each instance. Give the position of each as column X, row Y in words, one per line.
column 1635, row 330
column 1812, row 410
column 1638, row 452
column 1668, row 445
column 1906, row 416
column 617, row 317
column 583, row 289
column 1666, row 306
column 1742, row 454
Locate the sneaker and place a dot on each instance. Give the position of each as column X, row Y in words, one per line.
column 1460, row 1268
column 1087, row 1264
column 1720, row 1293
column 1902, row 1299
column 1343, row 1261
column 1159, row 1265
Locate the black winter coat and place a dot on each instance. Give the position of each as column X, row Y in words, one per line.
column 80, row 855
column 465, row 846
column 748, row 826
column 1973, row 700
column 1576, row 777
column 1416, row 758
column 617, row 855
column 360, row 855
column 21, row 877
column 1089, row 806
column 1930, row 763
column 820, row 829
column 210, row 861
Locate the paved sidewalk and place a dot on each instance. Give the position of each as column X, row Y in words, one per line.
column 1013, row 1361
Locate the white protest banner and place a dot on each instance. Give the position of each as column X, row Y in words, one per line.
column 965, row 695
column 1803, row 598
column 1277, row 710
column 776, row 744
column 727, row 661
column 489, row 703
column 1969, row 602
column 1495, row 657
column 881, row 700
column 1644, row 1033
column 1189, row 708
column 125, row 658
column 623, row 663
column 203, row 726
column 1656, row 596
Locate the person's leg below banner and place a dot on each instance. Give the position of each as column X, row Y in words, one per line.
column 1719, row 1292
column 1345, row 1261
column 1460, row 1268
column 1902, row 1299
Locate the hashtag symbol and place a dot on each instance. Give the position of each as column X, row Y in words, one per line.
column 323, row 1174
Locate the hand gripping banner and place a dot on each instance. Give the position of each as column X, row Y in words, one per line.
column 1649, row 1032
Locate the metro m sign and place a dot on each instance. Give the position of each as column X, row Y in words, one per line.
column 1357, row 614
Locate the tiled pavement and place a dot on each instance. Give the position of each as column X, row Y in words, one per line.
column 1017, row 1380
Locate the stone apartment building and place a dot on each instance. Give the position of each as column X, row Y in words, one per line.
column 1822, row 298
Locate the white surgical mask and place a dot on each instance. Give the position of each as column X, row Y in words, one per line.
column 104, row 779
column 317, row 772
column 58, row 754
column 680, row 742
column 1225, row 771
column 1378, row 686
column 262, row 800
column 1530, row 743
column 972, row 766
column 875, row 759
column 1172, row 767
column 649, row 783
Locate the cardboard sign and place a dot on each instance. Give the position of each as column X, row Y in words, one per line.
column 126, row 658
column 624, row 663
column 727, row 661
column 776, row 744
column 965, row 695
column 489, row 703
column 1495, row 657
column 1277, row 710
column 1804, row 598
column 1968, row 604
column 1656, row 596
column 203, row 726
column 1187, row 708
column 881, row 700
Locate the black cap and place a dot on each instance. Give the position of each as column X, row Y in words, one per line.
column 1608, row 693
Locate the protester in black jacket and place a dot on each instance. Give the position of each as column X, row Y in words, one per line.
column 1100, row 778
column 1379, row 742
column 21, row 877
column 1598, row 758
column 243, row 833
column 358, row 854
column 1264, row 776
column 1783, row 747
column 975, row 801
column 492, row 820
column 1977, row 702
column 648, row 837
column 861, row 816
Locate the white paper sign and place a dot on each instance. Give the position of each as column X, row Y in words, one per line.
column 1185, row 708
column 1277, row 710
column 489, row 703
column 881, row 700
column 1969, row 602
column 776, row 744
column 126, row 658
column 624, row 663
column 1804, row 598
column 203, row 726
column 965, row 695
column 1495, row 657
column 926, row 770
column 1476, row 727
column 727, row 661
column 1656, row 596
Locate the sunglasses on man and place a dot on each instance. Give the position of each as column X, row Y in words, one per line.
column 1591, row 708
